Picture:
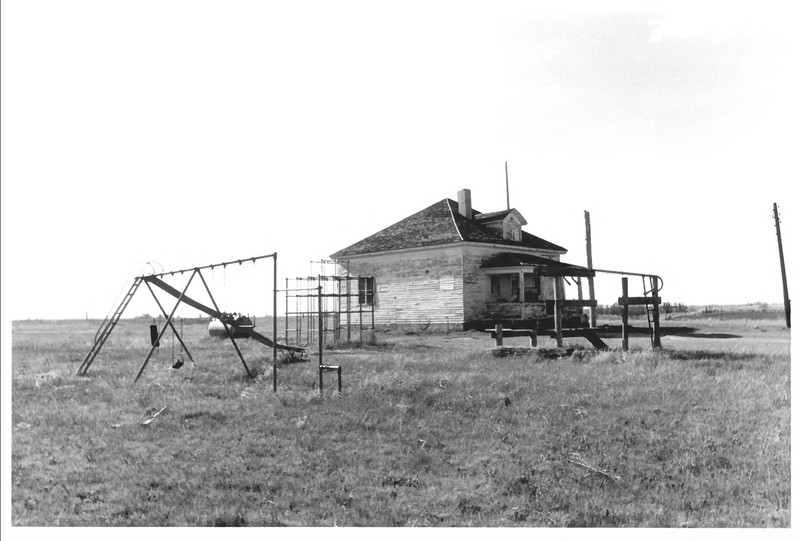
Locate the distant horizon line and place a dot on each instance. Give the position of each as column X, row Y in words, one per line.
column 771, row 306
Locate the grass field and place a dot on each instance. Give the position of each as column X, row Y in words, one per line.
column 431, row 430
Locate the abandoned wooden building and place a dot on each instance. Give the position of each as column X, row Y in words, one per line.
column 450, row 264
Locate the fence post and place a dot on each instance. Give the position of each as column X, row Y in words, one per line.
column 498, row 329
column 625, row 314
column 656, row 323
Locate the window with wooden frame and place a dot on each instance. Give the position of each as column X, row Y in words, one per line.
column 533, row 288
column 366, row 290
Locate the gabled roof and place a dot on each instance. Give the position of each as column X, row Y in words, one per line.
column 439, row 224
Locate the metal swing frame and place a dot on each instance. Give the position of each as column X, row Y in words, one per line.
column 155, row 279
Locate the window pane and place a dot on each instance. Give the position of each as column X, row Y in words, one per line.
column 515, row 288
column 496, row 288
column 366, row 290
column 532, row 288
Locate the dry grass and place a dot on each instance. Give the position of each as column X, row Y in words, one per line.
column 431, row 431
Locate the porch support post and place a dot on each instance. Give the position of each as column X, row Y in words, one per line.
column 557, row 311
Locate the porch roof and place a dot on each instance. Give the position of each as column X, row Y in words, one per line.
column 543, row 266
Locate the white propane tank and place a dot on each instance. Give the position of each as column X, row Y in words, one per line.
column 217, row 329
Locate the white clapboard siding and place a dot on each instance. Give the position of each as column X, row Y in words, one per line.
column 437, row 285
column 415, row 287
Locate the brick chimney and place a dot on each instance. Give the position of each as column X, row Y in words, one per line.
column 465, row 203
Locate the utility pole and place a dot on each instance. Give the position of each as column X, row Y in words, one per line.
column 786, row 302
column 592, row 309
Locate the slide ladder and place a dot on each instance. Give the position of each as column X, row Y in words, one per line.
column 106, row 327
column 650, row 308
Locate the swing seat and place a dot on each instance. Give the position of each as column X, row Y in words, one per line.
column 178, row 364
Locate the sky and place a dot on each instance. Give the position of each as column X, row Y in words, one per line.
column 185, row 133
column 190, row 133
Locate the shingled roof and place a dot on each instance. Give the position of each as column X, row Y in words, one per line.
column 505, row 260
column 439, row 224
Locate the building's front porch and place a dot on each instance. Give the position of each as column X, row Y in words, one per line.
column 522, row 291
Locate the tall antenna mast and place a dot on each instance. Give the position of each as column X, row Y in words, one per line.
column 508, row 201
column 786, row 302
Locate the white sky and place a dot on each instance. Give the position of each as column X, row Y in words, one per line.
column 188, row 133
column 193, row 132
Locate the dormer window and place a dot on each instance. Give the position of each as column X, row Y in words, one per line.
column 512, row 228
column 507, row 223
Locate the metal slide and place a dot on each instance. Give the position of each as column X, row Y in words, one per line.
column 213, row 313
column 264, row 340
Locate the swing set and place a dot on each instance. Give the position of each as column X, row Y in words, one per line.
column 154, row 340
column 228, row 320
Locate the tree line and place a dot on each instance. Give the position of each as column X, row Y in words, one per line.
column 640, row 310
